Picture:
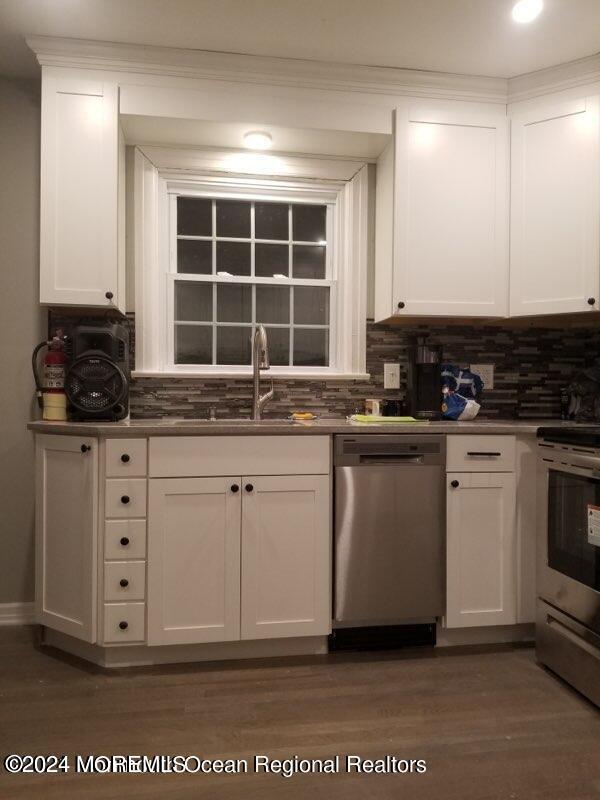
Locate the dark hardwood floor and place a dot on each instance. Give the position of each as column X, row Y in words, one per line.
column 490, row 724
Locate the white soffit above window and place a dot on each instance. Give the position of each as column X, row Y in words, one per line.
column 148, row 130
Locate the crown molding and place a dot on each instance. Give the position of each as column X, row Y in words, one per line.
column 554, row 79
column 302, row 74
column 295, row 73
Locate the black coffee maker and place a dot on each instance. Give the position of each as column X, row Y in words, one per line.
column 424, row 397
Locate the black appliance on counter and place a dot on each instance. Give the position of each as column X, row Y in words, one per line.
column 424, row 394
column 97, row 379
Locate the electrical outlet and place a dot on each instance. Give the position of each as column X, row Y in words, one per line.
column 391, row 376
column 485, row 372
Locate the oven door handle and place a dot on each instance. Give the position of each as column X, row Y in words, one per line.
column 575, row 466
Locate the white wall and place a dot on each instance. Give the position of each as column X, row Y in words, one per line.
column 22, row 325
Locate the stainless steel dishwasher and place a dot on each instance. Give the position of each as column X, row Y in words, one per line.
column 389, row 528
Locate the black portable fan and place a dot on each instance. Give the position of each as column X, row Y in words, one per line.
column 97, row 380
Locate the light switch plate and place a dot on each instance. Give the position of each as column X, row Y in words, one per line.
column 391, row 376
column 486, row 373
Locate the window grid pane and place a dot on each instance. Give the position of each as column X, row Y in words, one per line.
column 307, row 344
column 193, row 344
column 216, row 236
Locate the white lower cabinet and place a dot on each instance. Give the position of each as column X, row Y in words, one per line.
column 66, row 534
column 193, row 560
column 182, row 559
column 238, row 558
column 482, row 563
column 286, row 584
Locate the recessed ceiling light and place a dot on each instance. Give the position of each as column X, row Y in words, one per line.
column 527, row 10
column 258, row 140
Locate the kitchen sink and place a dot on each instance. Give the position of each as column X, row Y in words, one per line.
column 225, row 421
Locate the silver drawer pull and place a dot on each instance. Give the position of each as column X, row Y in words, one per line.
column 482, row 453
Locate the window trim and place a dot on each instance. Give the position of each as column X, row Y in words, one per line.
column 155, row 237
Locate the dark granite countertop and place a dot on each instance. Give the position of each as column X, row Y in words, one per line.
column 172, row 426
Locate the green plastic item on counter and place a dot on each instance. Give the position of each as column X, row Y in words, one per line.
column 376, row 419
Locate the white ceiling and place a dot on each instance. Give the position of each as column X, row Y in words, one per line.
column 475, row 37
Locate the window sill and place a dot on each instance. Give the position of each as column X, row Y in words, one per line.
column 306, row 375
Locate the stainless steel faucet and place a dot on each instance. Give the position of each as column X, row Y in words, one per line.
column 260, row 360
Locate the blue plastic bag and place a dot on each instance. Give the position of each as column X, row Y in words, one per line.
column 463, row 381
column 460, row 388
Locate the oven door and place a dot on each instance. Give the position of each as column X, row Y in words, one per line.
column 568, row 562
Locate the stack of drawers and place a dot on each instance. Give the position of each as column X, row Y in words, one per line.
column 125, row 541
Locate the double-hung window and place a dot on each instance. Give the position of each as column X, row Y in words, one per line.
column 237, row 263
column 216, row 255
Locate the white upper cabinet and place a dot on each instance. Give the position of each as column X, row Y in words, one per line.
column 442, row 214
column 82, row 194
column 555, row 213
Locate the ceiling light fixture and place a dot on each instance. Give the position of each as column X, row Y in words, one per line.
column 258, row 140
column 527, row 10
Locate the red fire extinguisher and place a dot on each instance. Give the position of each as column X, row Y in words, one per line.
column 50, row 389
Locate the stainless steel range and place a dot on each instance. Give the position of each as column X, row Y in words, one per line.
column 568, row 575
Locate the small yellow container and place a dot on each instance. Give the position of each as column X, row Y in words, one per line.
column 55, row 406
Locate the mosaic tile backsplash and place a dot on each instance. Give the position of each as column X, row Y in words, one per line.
column 531, row 368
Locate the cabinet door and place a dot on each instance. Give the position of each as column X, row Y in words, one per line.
column 555, row 214
column 286, row 556
column 80, row 257
column 481, row 550
column 444, row 252
column 193, row 591
column 66, row 534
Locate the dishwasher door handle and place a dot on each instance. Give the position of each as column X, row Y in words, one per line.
column 398, row 458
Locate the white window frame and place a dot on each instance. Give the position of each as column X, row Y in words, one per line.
column 155, row 249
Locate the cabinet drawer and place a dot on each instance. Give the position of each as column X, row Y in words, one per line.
column 480, row 453
column 125, row 498
column 204, row 456
column 126, row 458
column 124, row 539
column 132, row 616
column 124, row 580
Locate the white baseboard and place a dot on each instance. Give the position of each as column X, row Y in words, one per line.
column 17, row 613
